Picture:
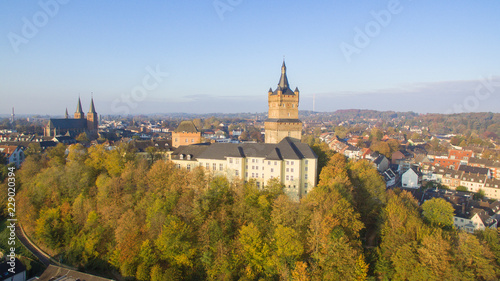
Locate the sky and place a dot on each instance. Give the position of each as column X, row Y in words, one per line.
column 203, row 56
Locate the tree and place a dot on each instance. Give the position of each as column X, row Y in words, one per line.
column 479, row 195
column 174, row 243
column 254, row 250
column 474, row 260
column 438, row 212
column 462, row 188
column 83, row 138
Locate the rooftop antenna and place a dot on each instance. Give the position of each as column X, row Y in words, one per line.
column 13, row 115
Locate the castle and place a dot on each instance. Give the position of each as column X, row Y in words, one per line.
column 74, row 126
column 282, row 157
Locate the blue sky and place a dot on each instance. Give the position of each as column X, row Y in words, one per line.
column 143, row 57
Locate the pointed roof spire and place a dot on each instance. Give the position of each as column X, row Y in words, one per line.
column 79, row 106
column 92, row 107
column 66, row 115
column 283, row 84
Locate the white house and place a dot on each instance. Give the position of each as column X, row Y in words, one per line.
column 412, row 178
column 475, row 219
column 13, row 154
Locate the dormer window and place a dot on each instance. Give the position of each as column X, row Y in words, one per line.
column 181, row 156
column 189, row 157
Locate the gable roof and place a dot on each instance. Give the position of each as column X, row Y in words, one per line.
column 68, row 123
column 285, row 149
column 474, row 170
column 186, row 127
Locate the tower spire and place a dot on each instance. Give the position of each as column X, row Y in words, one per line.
column 92, row 107
column 283, row 84
column 79, row 106
column 79, row 112
column 66, row 115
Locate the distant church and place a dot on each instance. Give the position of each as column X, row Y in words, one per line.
column 283, row 118
column 74, row 126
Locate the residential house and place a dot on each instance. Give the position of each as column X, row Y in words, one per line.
column 492, row 188
column 475, row 170
column 460, row 154
column 474, row 219
column 353, row 152
column 390, row 177
column 494, row 166
column 381, row 163
column 473, row 182
column 403, row 158
column 412, row 178
column 447, row 163
column 13, row 154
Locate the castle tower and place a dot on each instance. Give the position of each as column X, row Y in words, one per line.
column 283, row 117
column 92, row 118
column 79, row 112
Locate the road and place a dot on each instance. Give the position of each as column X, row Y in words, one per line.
column 44, row 258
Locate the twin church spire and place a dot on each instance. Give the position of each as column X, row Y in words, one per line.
column 79, row 111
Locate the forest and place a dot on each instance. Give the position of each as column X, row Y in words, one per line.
column 107, row 211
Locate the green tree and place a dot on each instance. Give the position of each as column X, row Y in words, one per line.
column 438, row 212
column 174, row 243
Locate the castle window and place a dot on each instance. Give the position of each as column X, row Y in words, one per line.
column 272, row 170
column 221, row 167
column 188, row 157
column 305, row 177
column 186, row 140
column 230, row 160
column 214, row 166
column 275, row 163
column 181, row 156
column 287, row 177
column 237, row 173
column 291, row 177
column 189, row 167
column 208, row 166
column 287, row 170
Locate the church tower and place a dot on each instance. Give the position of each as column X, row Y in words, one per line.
column 79, row 112
column 283, row 117
column 92, row 118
